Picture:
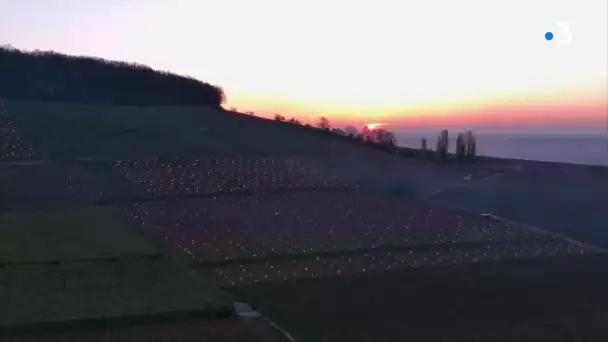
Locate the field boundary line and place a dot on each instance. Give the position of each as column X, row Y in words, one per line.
column 357, row 251
column 147, row 256
column 544, row 231
column 25, row 163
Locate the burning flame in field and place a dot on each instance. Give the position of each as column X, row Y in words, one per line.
column 373, row 126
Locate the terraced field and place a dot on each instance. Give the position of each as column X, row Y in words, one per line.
column 178, row 178
column 226, row 228
column 137, row 212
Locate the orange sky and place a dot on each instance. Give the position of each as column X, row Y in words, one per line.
column 566, row 106
column 466, row 62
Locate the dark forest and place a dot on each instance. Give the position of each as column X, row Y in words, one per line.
column 55, row 77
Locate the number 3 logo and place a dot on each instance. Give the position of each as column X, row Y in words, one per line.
column 566, row 35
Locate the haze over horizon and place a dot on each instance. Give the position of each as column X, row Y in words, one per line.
column 474, row 64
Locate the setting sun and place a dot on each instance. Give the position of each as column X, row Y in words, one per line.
column 373, row 126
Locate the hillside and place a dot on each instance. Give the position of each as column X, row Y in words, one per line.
column 54, row 77
column 60, row 131
column 124, row 221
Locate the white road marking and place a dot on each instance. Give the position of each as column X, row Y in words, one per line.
column 244, row 310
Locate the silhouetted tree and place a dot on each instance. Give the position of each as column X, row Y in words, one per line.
column 279, row 117
column 384, row 137
column 323, row 123
column 461, row 148
column 221, row 95
column 294, row 121
column 443, row 144
column 351, row 131
column 471, row 145
column 338, row 131
column 51, row 76
column 367, row 134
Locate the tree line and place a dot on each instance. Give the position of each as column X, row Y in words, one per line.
column 466, row 143
column 55, row 77
column 378, row 137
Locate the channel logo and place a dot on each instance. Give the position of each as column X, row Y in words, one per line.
column 562, row 37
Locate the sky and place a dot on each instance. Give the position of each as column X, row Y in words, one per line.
column 410, row 64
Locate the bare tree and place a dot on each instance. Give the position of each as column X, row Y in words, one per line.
column 323, row 123
column 294, row 121
column 367, row 134
column 279, row 117
column 351, row 131
column 338, row 131
column 390, row 139
column 384, row 137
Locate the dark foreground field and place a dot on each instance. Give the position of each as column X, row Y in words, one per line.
column 116, row 220
column 168, row 330
column 560, row 299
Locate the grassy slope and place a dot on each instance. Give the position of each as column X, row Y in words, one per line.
column 86, row 290
column 66, row 131
column 65, row 264
column 68, row 234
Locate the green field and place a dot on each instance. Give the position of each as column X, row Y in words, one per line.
column 68, row 234
column 86, row 290
column 65, row 264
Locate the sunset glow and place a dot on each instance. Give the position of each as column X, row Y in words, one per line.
column 435, row 62
column 373, row 126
